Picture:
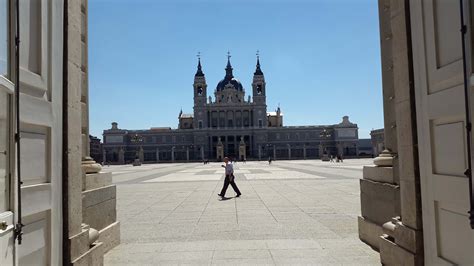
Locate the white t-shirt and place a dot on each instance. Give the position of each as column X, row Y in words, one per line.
column 229, row 169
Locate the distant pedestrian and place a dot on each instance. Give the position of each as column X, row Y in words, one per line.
column 229, row 179
column 331, row 159
column 270, row 160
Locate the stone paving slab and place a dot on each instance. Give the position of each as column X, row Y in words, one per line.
column 291, row 212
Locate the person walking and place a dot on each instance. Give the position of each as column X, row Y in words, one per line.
column 229, row 179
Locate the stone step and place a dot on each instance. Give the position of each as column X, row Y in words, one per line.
column 99, row 207
column 380, row 202
column 97, row 180
column 379, row 174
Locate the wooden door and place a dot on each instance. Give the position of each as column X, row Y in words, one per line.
column 7, row 184
column 439, row 93
column 41, row 49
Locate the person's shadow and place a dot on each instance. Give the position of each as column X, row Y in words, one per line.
column 226, row 198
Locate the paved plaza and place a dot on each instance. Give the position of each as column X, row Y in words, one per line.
column 290, row 212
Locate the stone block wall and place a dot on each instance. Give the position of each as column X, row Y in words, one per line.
column 380, row 201
column 99, row 208
column 390, row 196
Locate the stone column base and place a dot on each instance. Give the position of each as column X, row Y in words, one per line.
column 369, row 232
column 110, row 236
column 94, row 256
column 96, row 180
column 99, row 207
column 78, row 244
column 89, row 166
column 393, row 254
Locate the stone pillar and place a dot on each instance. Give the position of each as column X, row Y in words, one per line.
column 304, row 151
column 121, row 156
column 141, row 155
column 157, row 154
column 242, row 149
column 235, row 142
column 91, row 221
column 390, row 191
column 340, row 148
column 88, row 164
column 259, row 152
column 219, row 150
column 104, row 156
column 226, row 145
column 99, row 194
column 202, row 152
column 187, row 154
column 274, row 152
column 76, row 237
column 289, row 151
column 172, row 153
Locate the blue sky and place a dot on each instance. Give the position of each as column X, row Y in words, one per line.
column 321, row 59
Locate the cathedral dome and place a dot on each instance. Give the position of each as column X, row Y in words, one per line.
column 229, row 81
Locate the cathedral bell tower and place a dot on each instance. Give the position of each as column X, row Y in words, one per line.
column 258, row 84
column 200, row 86
column 200, row 100
column 259, row 96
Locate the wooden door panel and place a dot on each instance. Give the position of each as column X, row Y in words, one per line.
column 439, row 95
column 35, row 249
column 444, row 56
column 454, row 235
column 40, row 121
column 451, row 192
column 445, row 104
column 448, row 157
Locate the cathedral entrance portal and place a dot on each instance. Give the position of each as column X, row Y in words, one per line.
column 230, row 147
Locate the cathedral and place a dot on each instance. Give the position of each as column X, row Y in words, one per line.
column 232, row 125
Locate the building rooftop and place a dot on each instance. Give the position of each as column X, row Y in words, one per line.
column 186, row 116
column 273, row 114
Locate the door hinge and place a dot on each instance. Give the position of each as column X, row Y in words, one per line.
column 18, row 233
column 469, row 127
column 467, row 173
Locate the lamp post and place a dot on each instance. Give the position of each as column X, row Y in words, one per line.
column 137, row 139
column 325, row 135
column 190, row 147
column 268, row 148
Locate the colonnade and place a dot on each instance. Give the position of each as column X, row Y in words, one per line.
column 230, row 119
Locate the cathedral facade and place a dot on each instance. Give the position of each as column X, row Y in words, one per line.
column 230, row 125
